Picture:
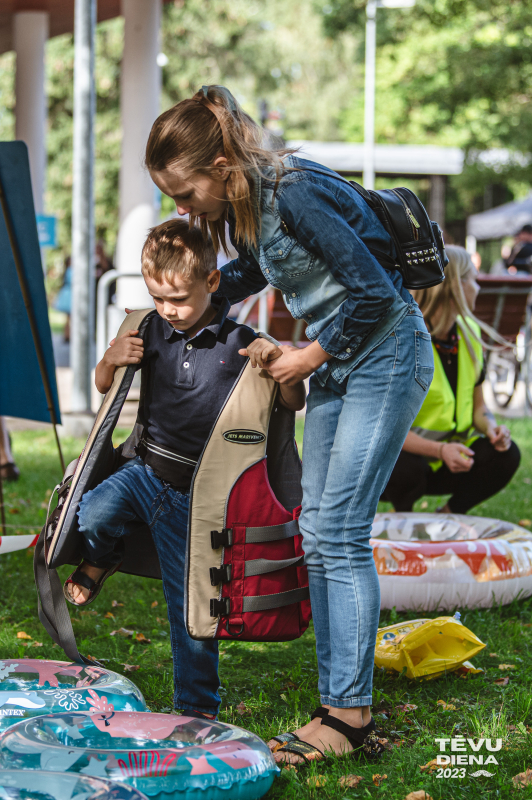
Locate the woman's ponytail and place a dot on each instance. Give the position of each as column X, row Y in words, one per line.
column 193, row 133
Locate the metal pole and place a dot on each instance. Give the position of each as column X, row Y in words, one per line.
column 369, row 96
column 83, row 284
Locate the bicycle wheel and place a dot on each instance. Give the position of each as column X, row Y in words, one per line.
column 503, row 374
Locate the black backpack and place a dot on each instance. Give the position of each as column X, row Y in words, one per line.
column 421, row 256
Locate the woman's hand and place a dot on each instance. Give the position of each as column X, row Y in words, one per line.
column 500, row 438
column 295, row 364
column 457, row 457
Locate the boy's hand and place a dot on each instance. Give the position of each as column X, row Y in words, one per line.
column 124, row 350
column 261, row 351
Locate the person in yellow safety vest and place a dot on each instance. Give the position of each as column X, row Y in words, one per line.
column 455, row 445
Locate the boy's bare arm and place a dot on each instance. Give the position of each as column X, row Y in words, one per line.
column 260, row 352
column 125, row 350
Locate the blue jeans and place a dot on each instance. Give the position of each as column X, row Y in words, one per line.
column 353, row 436
column 132, row 496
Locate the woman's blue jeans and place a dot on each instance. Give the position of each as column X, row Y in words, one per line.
column 134, row 496
column 354, row 433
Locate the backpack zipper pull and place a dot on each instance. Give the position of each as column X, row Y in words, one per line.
column 414, row 222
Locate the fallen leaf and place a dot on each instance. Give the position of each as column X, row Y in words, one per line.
column 494, row 655
column 445, row 706
column 290, row 766
column 154, row 604
column 523, row 778
column 378, row 779
column 317, row 781
column 34, row 644
column 89, row 613
column 424, row 504
column 527, row 480
column 406, row 707
column 122, row 632
column 350, row 781
column 430, row 766
column 525, row 523
column 421, row 794
column 506, row 666
column 242, row 709
column 141, row 638
column 117, row 605
column 502, row 681
column 109, row 615
column 161, row 621
column 23, row 635
column 14, row 511
column 131, row 667
column 399, row 742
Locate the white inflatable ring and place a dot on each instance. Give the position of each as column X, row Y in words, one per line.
column 438, row 562
column 30, row 687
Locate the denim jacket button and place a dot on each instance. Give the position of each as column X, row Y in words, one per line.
column 294, row 294
column 347, row 349
column 280, row 252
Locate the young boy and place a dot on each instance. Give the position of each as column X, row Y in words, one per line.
column 190, row 357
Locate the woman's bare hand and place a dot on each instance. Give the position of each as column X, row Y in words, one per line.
column 457, row 457
column 500, row 437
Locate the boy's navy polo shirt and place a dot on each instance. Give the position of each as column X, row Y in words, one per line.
column 187, row 381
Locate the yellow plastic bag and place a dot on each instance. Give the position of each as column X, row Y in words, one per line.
column 426, row 647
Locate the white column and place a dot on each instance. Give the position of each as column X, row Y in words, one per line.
column 368, row 178
column 437, row 199
column 140, row 93
column 30, row 32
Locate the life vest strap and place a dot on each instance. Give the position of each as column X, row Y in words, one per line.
column 264, row 602
column 261, row 566
column 267, row 533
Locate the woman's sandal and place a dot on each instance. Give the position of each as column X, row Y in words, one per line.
column 361, row 740
column 287, row 738
column 94, row 586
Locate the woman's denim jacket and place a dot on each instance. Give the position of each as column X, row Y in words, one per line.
column 323, row 266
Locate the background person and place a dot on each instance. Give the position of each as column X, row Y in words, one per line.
column 308, row 232
column 520, row 258
column 455, row 445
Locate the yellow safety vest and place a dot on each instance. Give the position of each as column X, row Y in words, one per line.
column 444, row 417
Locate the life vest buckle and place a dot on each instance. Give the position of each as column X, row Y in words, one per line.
column 223, row 538
column 220, row 608
column 220, row 574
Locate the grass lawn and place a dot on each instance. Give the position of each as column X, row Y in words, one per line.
column 270, row 688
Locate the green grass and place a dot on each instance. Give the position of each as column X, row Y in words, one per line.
column 277, row 682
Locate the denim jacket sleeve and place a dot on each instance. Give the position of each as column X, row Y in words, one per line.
column 241, row 278
column 315, row 214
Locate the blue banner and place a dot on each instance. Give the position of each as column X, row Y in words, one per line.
column 21, row 385
column 46, row 228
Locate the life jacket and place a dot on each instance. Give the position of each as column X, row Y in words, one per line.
column 444, row 417
column 245, row 575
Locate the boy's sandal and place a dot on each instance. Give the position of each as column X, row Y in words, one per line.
column 362, row 740
column 82, row 579
column 287, row 738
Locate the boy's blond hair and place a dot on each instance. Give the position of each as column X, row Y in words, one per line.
column 175, row 248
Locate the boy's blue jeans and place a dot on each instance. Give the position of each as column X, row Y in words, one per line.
column 134, row 495
column 353, row 435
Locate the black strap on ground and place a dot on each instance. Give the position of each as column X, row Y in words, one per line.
column 53, row 611
column 272, row 533
column 267, row 601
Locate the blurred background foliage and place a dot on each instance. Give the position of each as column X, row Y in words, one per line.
column 449, row 72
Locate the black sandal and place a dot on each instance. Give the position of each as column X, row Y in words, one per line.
column 288, row 738
column 361, row 739
column 82, row 579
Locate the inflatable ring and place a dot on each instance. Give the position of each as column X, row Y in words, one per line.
column 436, row 562
column 162, row 755
column 23, row 785
column 30, row 687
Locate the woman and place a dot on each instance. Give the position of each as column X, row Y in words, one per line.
column 455, row 445
column 304, row 230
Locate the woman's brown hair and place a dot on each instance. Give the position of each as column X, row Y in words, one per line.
column 194, row 133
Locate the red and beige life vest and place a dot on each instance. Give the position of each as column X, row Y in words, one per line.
column 245, row 575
